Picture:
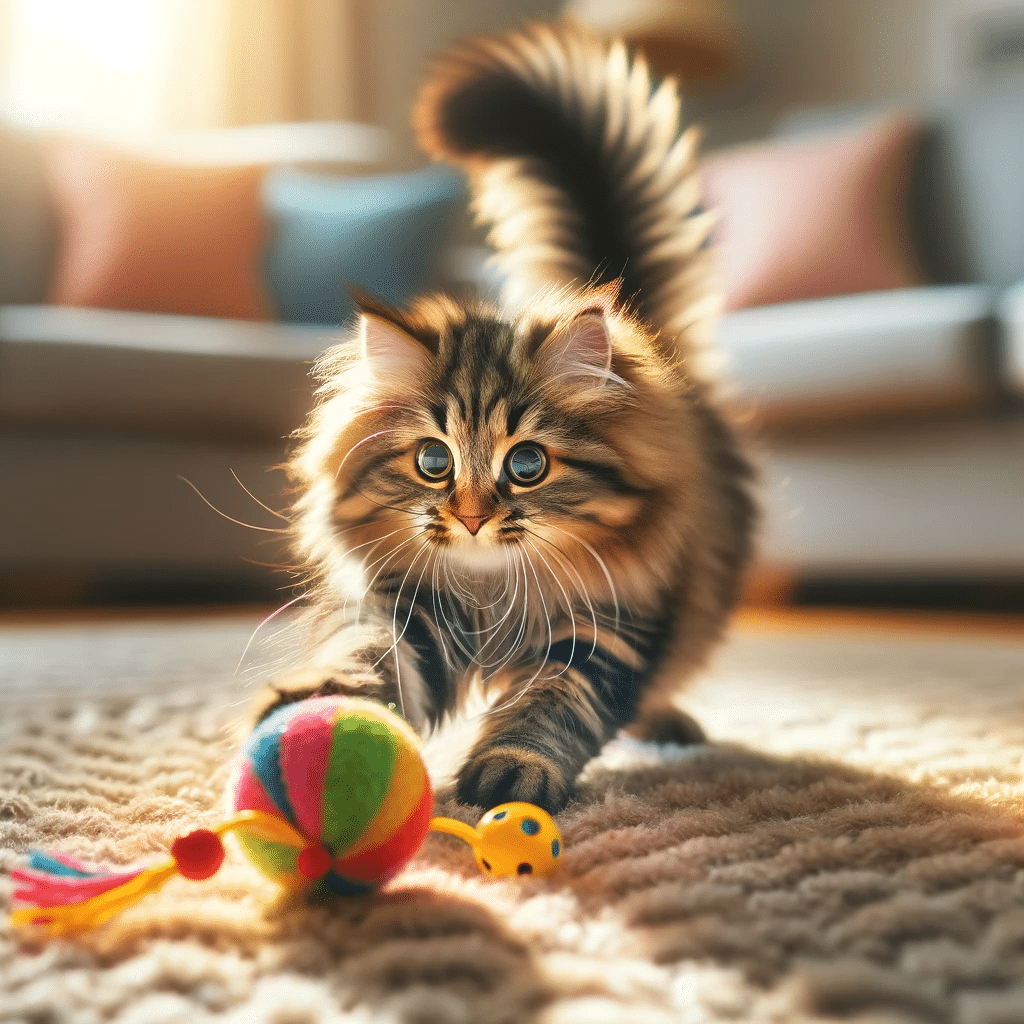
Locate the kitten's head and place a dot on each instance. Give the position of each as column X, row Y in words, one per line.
column 449, row 437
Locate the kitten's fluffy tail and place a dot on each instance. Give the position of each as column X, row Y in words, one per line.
column 580, row 167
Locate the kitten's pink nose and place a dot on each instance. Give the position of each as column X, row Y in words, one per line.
column 473, row 523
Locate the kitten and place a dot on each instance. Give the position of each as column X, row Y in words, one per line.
column 548, row 498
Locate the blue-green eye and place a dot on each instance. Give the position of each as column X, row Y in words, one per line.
column 526, row 464
column 434, row 460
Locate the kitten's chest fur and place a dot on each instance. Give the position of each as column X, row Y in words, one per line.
column 492, row 624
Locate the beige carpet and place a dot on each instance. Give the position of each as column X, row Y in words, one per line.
column 852, row 848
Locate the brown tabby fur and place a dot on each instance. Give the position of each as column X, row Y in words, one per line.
column 584, row 600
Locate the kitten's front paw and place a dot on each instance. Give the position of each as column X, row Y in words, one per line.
column 504, row 774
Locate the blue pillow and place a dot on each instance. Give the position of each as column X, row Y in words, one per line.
column 382, row 233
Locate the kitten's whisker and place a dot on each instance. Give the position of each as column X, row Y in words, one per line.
column 385, row 559
column 231, row 519
column 582, row 586
column 547, row 619
column 359, row 444
column 486, row 631
column 279, row 515
column 477, row 657
column 396, row 636
column 457, row 587
column 398, row 600
column 433, row 599
column 456, row 634
column 601, row 563
column 273, row 615
column 526, row 562
column 391, row 551
column 381, row 504
column 568, row 606
column 511, row 604
column 380, row 540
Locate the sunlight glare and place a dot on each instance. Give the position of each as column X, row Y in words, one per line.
column 96, row 65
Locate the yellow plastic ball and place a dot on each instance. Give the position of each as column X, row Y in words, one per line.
column 517, row 839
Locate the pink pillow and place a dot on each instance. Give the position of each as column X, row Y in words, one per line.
column 159, row 238
column 805, row 219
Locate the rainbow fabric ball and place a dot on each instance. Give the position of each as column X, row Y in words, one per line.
column 346, row 774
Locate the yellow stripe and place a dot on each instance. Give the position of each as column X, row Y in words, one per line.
column 408, row 781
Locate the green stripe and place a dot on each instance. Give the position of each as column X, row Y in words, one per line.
column 275, row 860
column 359, row 772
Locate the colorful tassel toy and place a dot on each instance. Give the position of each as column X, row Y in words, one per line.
column 329, row 793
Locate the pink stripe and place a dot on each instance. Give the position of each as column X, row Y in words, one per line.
column 73, row 862
column 305, row 750
column 250, row 794
column 47, row 891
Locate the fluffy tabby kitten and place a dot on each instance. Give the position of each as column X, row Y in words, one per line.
column 546, row 498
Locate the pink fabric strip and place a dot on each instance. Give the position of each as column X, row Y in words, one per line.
column 305, row 750
column 47, row 891
column 74, row 862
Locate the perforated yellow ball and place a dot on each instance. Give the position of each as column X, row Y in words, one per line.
column 517, row 839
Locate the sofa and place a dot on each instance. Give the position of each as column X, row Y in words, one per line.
column 887, row 421
column 160, row 308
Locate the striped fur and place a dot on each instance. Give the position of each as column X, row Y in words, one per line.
column 584, row 597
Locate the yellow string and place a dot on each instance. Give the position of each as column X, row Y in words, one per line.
column 456, row 828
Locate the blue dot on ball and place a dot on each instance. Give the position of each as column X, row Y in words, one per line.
column 499, row 815
column 556, row 847
column 531, row 826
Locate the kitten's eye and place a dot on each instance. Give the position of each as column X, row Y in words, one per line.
column 434, row 460
column 526, row 464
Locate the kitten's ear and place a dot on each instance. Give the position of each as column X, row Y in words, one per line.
column 389, row 353
column 582, row 347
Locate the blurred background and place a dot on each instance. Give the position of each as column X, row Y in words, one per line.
column 187, row 188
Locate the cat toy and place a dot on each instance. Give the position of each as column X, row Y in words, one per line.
column 329, row 794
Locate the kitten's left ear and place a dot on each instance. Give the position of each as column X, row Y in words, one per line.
column 389, row 353
column 580, row 348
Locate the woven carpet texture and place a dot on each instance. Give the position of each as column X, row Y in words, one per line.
column 850, row 847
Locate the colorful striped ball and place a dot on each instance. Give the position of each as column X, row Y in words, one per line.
column 347, row 775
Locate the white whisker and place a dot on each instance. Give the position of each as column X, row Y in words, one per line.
column 283, row 518
column 231, row 519
column 581, row 588
column 568, row 606
column 273, row 615
column 601, row 563
column 358, row 444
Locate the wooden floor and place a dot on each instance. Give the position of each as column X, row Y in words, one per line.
column 755, row 617
column 783, row 618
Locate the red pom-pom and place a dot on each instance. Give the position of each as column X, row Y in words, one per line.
column 314, row 862
column 199, row 854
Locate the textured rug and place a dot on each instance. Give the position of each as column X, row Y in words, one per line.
column 851, row 847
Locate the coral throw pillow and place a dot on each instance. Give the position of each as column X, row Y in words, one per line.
column 156, row 237
column 809, row 218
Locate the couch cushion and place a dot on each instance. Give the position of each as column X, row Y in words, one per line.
column 157, row 237
column 28, row 231
column 967, row 191
column 132, row 372
column 854, row 356
column 813, row 217
column 1011, row 316
column 382, row 233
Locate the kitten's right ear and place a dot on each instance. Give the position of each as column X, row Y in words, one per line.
column 391, row 355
